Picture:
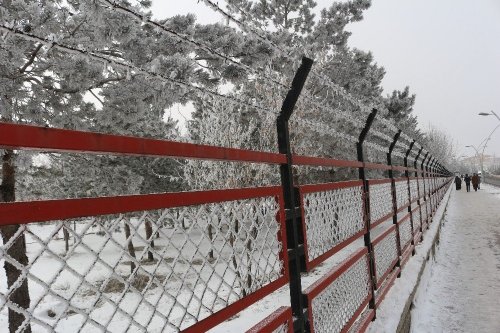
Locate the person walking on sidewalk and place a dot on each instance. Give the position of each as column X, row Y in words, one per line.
column 458, row 183
column 467, row 182
column 475, row 181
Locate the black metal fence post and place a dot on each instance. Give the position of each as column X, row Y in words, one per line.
column 419, row 190
column 362, row 176
column 433, row 188
column 394, row 198
column 429, row 190
column 407, row 175
column 293, row 222
column 424, row 175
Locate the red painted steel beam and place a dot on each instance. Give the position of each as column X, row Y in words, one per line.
column 324, row 161
column 272, row 322
column 330, row 186
column 390, row 281
column 320, row 285
column 49, row 210
column 15, row 136
column 382, row 235
column 379, row 181
column 377, row 166
column 399, row 168
column 331, row 276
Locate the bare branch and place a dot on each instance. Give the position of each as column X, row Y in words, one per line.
column 31, row 58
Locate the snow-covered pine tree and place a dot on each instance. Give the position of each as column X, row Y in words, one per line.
column 42, row 85
column 399, row 105
column 317, row 126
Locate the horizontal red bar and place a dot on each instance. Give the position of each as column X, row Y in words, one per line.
column 418, row 237
column 377, row 166
column 407, row 251
column 330, row 186
column 310, row 264
column 382, row 235
column 383, row 292
column 365, row 320
column 218, row 317
column 399, row 168
column 356, row 314
column 326, row 280
column 380, row 281
column 324, row 161
column 407, row 216
column 379, row 181
column 39, row 211
column 274, row 321
column 380, row 220
column 400, row 209
column 15, row 136
column 402, row 179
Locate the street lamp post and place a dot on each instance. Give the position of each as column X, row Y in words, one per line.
column 477, row 155
column 491, row 113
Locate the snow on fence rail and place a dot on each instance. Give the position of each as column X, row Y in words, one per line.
column 210, row 254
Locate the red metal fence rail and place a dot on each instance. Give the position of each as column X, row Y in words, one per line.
column 216, row 252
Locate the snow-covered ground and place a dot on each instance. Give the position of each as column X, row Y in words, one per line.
column 459, row 291
column 390, row 310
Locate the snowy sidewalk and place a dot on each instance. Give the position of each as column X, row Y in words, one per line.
column 460, row 290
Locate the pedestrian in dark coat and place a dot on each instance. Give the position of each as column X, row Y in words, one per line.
column 458, row 183
column 467, row 182
column 475, row 181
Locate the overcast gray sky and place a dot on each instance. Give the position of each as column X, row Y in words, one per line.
column 447, row 51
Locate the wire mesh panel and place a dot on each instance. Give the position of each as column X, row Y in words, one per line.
column 405, row 232
column 402, row 199
column 385, row 249
column 195, row 261
column 429, row 209
column 280, row 321
column 362, row 323
column 424, row 213
column 333, row 216
column 421, row 186
column 380, row 193
column 416, row 217
column 337, row 299
column 413, row 189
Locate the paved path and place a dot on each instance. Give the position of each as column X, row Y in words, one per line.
column 460, row 291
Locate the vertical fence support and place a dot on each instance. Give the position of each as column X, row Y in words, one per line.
column 407, row 175
column 362, row 176
column 295, row 239
column 394, row 199
column 419, row 190
column 433, row 182
column 422, row 168
column 429, row 190
column 435, row 169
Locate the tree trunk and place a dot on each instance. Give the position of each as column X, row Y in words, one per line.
column 130, row 246
column 66, row 237
column 232, row 240
column 17, row 250
column 149, row 237
column 253, row 235
column 211, row 237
